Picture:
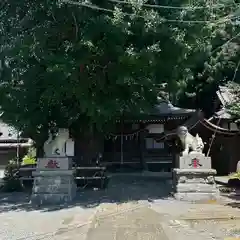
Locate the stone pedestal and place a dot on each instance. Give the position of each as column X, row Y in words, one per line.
column 194, row 179
column 53, row 181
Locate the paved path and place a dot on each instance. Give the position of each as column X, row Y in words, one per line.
column 198, row 221
column 166, row 219
column 142, row 223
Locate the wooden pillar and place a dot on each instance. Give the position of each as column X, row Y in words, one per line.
column 176, row 159
column 176, row 152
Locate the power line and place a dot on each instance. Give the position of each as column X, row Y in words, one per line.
column 129, row 14
column 228, row 18
column 86, row 5
column 235, row 72
column 217, row 6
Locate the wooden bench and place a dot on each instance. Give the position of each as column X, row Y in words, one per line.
column 91, row 176
column 25, row 175
column 25, row 172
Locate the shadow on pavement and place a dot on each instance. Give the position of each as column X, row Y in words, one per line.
column 121, row 189
column 236, row 201
column 234, row 205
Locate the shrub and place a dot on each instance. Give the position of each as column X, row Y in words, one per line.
column 11, row 180
column 28, row 160
column 234, row 180
column 234, row 175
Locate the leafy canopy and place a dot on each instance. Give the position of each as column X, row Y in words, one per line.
column 70, row 65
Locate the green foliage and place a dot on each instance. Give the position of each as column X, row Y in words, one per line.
column 32, row 152
column 214, row 66
column 28, row 160
column 30, row 157
column 11, row 181
column 234, row 107
column 234, row 175
column 65, row 64
column 69, row 65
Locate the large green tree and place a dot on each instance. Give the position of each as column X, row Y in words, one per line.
column 217, row 64
column 65, row 64
column 69, row 63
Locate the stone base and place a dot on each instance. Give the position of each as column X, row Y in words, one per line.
column 195, row 184
column 53, row 187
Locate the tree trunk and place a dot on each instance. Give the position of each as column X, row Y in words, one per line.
column 88, row 146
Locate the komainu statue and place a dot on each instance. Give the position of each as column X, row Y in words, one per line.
column 189, row 142
column 56, row 144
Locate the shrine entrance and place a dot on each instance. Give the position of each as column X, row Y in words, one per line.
column 123, row 149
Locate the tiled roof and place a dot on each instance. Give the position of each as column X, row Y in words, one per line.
column 224, row 95
column 161, row 112
column 223, row 114
column 166, row 108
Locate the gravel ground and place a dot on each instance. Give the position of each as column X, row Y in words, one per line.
column 129, row 208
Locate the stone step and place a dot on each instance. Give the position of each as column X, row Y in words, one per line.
column 53, row 180
column 55, row 198
column 194, row 172
column 197, row 179
column 63, row 188
column 195, row 188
